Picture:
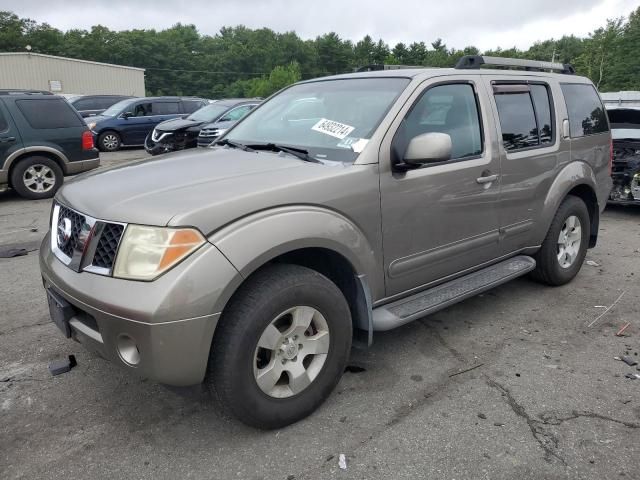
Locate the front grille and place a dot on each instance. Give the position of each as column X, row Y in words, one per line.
column 107, row 246
column 77, row 221
column 208, row 133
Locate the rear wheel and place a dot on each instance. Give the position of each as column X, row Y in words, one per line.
column 281, row 346
column 109, row 141
column 36, row 177
column 565, row 247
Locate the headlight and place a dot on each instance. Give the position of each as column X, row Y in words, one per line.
column 91, row 125
column 147, row 252
column 222, row 131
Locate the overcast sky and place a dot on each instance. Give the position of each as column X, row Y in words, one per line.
column 482, row 23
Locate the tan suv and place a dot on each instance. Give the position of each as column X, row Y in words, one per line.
column 339, row 207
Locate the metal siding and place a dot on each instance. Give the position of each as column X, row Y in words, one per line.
column 32, row 71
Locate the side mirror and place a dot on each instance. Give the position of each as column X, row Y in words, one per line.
column 428, row 148
column 126, row 115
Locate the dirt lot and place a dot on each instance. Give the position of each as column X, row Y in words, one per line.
column 546, row 398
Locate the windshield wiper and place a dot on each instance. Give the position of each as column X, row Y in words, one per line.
column 229, row 143
column 301, row 153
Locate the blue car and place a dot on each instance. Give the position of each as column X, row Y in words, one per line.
column 128, row 122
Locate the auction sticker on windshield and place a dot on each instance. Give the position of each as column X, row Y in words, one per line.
column 335, row 129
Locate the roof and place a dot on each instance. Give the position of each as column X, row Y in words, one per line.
column 236, row 101
column 29, row 54
column 428, row 72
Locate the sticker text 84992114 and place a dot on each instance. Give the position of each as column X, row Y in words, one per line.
column 335, row 129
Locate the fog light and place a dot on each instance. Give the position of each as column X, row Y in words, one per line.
column 128, row 350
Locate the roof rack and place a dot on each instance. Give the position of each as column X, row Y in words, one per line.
column 17, row 91
column 376, row 67
column 476, row 61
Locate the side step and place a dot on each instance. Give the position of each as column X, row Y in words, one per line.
column 430, row 301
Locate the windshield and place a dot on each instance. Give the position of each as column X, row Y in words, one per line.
column 208, row 113
column 625, row 123
column 331, row 119
column 116, row 108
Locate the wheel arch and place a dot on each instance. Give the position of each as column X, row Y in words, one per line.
column 577, row 179
column 46, row 152
column 313, row 237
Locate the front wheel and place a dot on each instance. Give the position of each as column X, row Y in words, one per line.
column 280, row 347
column 563, row 251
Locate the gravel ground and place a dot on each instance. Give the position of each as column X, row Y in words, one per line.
column 543, row 396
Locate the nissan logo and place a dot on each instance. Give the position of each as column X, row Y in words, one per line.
column 64, row 232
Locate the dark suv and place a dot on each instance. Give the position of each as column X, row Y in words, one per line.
column 42, row 138
column 88, row 105
column 128, row 122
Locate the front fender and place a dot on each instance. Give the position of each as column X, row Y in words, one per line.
column 256, row 239
column 574, row 174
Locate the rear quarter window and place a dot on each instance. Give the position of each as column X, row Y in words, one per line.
column 3, row 122
column 586, row 112
column 45, row 113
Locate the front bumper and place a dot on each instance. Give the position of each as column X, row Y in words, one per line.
column 171, row 320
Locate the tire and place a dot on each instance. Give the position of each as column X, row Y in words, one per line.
column 109, row 141
column 550, row 269
column 273, row 297
column 36, row 177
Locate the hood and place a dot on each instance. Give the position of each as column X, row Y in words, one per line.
column 97, row 118
column 206, row 188
column 226, row 124
column 176, row 124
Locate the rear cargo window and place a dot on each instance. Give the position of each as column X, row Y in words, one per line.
column 586, row 113
column 42, row 113
column 191, row 106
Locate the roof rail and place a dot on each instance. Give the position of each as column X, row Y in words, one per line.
column 376, row 67
column 476, row 61
column 18, row 91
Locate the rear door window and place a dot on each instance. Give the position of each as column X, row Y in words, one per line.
column 165, row 108
column 42, row 113
column 586, row 113
column 525, row 114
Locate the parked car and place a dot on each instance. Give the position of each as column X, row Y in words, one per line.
column 200, row 128
column 623, row 109
column 89, row 105
column 254, row 264
column 42, row 138
column 128, row 122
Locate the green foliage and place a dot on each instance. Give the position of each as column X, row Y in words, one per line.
column 240, row 61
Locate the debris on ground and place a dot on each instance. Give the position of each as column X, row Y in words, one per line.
column 342, row 462
column 13, row 252
column 482, row 416
column 629, row 360
column 624, row 327
column 608, row 309
column 58, row 367
column 591, row 263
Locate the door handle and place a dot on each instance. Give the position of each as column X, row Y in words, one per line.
column 487, row 179
column 7, row 139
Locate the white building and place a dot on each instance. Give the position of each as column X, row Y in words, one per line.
column 35, row 71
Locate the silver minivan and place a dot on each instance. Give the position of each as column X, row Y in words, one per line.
column 254, row 264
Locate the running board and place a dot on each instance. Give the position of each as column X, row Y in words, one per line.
column 430, row 301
